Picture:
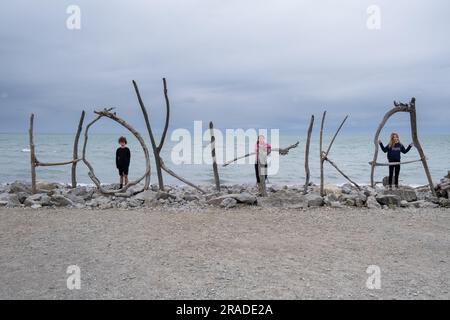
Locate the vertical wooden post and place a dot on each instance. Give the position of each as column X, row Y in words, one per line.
column 213, row 154
column 32, row 155
column 75, row 150
column 322, row 158
column 417, row 144
column 262, row 170
column 308, row 143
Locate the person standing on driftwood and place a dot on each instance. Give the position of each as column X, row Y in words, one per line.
column 260, row 143
column 394, row 150
column 123, row 157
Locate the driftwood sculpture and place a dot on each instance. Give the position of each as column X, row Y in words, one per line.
column 411, row 109
column 324, row 156
column 308, row 143
column 36, row 163
column 122, row 192
column 213, row 155
column 157, row 149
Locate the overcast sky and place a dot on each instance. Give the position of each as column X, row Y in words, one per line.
column 240, row 63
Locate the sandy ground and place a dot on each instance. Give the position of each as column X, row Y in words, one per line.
column 238, row 254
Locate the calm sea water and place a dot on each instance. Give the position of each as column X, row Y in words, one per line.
column 350, row 152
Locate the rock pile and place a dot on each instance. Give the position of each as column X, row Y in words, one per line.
column 53, row 195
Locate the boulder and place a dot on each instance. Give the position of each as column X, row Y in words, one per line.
column 44, row 185
column 146, row 196
column 423, row 204
column 39, row 198
column 228, row 203
column 389, row 200
column 245, row 197
column 445, row 203
column 164, row 195
column 9, row 200
column 313, row 200
column 18, row 186
column 372, row 203
column 190, row 197
column 405, row 193
column 61, row 201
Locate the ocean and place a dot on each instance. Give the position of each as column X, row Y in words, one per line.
column 351, row 152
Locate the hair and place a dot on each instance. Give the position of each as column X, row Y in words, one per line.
column 391, row 140
column 123, row 139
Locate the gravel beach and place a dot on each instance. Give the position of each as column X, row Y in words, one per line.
column 247, row 252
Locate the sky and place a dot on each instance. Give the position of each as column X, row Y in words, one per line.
column 242, row 64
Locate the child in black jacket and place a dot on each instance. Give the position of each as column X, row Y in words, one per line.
column 394, row 150
column 123, row 157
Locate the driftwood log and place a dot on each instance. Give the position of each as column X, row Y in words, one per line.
column 157, row 148
column 75, row 150
column 307, row 146
column 324, row 156
column 411, row 109
column 213, row 155
column 122, row 192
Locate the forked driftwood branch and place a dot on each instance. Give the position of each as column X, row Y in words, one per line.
column 36, row 163
column 157, row 148
column 307, row 146
column 281, row 151
column 324, row 156
column 213, row 155
column 411, row 109
column 122, row 192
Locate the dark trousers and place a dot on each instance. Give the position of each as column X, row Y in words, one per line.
column 394, row 172
column 257, row 172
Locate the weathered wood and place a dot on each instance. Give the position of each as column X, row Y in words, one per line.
column 335, row 135
column 213, row 155
column 166, row 124
column 281, row 151
column 307, row 147
column 322, row 192
column 418, row 146
column 342, row 173
column 55, row 164
column 107, row 113
column 75, row 150
column 32, row 154
column 156, row 152
column 378, row 164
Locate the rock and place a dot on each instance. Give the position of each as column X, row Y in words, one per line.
column 347, row 188
column 61, row 201
column 313, row 200
column 405, row 193
column 80, row 191
column 36, row 206
column 17, row 186
column 445, row 203
column 9, row 200
column 190, row 197
column 47, row 185
column 389, row 200
column 228, row 203
column 385, row 181
column 372, row 203
column 146, row 196
column 22, row 196
column 423, row 204
column 133, row 203
column 164, row 195
column 336, row 204
column 354, row 199
column 39, row 198
column 404, row 204
column 245, row 197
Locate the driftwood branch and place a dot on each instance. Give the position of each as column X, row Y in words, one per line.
column 378, row 164
column 75, row 150
column 157, row 149
column 324, row 156
column 322, row 192
column 282, row 151
column 213, row 155
column 156, row 152
column 308, row 143
column 55, row 164
column 32, row 154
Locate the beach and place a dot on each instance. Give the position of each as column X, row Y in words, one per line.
column 246, row 252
